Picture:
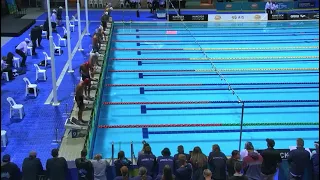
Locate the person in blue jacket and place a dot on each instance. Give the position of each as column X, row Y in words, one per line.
column 147, row 160
column 120, row 162
column 218, row 163
column 315, row 162
column 298, row 160
column 184, row 172
column 165, row 159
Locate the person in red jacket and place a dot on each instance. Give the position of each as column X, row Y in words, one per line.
column 252, row 165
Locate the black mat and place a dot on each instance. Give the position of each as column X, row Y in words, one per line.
column 13, row 27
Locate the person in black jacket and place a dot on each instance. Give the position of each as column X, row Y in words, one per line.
column 84, row 166
column 271, row 161
column 235, row 157
column 32, row 167
column 9, row 170
column 59, row 15
column 46, row 27
column 104, row 20
column 218, row 163
column 120, row 162
column 298, row 160
column 180, row 151
column 184, row 172
column 57, row 167
column 34, row 37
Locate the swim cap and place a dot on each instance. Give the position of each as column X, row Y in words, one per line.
column 86, row 81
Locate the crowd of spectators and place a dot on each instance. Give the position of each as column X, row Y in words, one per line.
column 245, row 165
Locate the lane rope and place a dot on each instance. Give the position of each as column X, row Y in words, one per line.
column 211, row 84
column 207, row 125
column 211, row 102
column 215, row 58
column 213, row 49
column 221, row 70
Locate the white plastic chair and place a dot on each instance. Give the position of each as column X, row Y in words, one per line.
column 64, row 31
column 44, row 33
column 121, row 3
column 4, row 138
column 29, row 50
column 96, row 3
column 40, row 71
column 100, row 3
column 15, row 106
column 90, row 3
column 46, row 59
column 5, row 75
column 58, row 48
column 30, row 86
column 71, row 26
column 75, row 20
column 62, row 41
column 16, row 62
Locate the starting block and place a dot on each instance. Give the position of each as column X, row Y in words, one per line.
column 75, row 126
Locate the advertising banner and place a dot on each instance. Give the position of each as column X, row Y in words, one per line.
column 202, row 17
column 238, row 17
column 285, row 5
column 306, row 5
column 229, row 6
column 314, row 15
column 253, row 6
column 300, row 16
column 278, row 17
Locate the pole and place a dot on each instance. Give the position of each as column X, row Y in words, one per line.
column 87, row 19
column 53, row 67
column 179, row 8
column 79, row 25
column 68, row 37
column 241, row 125
column 167, row 7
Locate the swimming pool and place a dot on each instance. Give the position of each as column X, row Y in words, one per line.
column 193, row 84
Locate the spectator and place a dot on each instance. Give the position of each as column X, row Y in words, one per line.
column 46, row 27
column 166, row 174
column 184, row 172
column 21, row 49
column 252, row 164
column 147, row 160
column 120, row 162
column 84, row 166
column 180, row 151
column 32, row 167
column 59, row 15
column 9, row 170
column 238, row 175
column 54, row 20
column 244, row 152
column 143, row 174
column 199, row 163
column 124, row 174
column 57, row 167
column 298, row 160
column 235, row 157
column 99, row 167
column 218, row 163
column 164, row 160
column 145, row 144
column 207, row 174
column 271, row 160
column 34, row 35
column 315, row 162
column 9, row 60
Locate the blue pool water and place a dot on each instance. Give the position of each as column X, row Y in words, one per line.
column 298, row 48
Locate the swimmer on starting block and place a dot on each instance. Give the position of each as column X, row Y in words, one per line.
column 82, row 86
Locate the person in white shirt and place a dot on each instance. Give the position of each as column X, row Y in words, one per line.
column 99, row 165
column 22, row 49
column 54, row 20
column 268, row 6
column 244, row 152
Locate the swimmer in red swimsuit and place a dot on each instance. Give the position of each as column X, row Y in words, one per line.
column 82, row 86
